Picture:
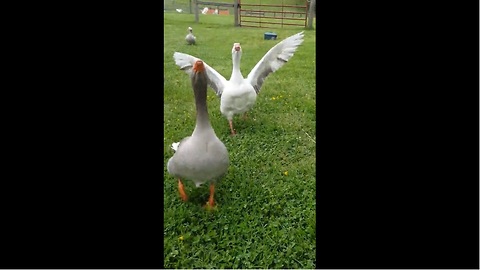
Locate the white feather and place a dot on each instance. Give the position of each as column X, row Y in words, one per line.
column 175, row 146
column 215, row 80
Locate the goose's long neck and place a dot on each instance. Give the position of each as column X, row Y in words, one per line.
column 203, row 122
column 236, row 73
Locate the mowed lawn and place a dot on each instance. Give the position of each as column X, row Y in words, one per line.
column 265, row 215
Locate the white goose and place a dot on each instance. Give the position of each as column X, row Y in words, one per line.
column 238, row 95
column 201, row 157
column 190, row 38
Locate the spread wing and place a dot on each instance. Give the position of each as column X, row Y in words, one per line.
column 274, row 59
column 215, row 80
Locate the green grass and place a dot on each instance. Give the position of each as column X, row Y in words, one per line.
column 266, row 203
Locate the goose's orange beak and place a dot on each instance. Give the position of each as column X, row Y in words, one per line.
column 198, row 66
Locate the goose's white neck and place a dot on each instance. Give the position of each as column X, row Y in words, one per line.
column 236, row 73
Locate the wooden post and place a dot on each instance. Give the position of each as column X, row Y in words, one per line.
column 190, row 6
column 196, row 11
column 310, row 14
column 235, row 13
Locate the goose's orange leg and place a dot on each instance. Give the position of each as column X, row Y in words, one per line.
column 231, row 127
column 181, row 190
column 211, row 202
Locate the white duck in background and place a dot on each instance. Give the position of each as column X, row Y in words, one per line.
column 202, row 157
column 190, row 38
column 238, row 95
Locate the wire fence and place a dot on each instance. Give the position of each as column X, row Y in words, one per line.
column 188, row 6
column 181, row 6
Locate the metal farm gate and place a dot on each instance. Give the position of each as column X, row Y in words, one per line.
column 263, row 16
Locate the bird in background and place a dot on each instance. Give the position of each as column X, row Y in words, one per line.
column 190, row 38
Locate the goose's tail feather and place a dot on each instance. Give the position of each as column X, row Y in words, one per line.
column 175, row 146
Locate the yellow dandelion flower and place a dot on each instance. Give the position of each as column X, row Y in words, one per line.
column 285, row 173
column 180, row 238
column 273, row 98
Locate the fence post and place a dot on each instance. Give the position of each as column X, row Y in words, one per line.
column 310, row 14
column 196, row 11
column 235, row 13
column 190, row 6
